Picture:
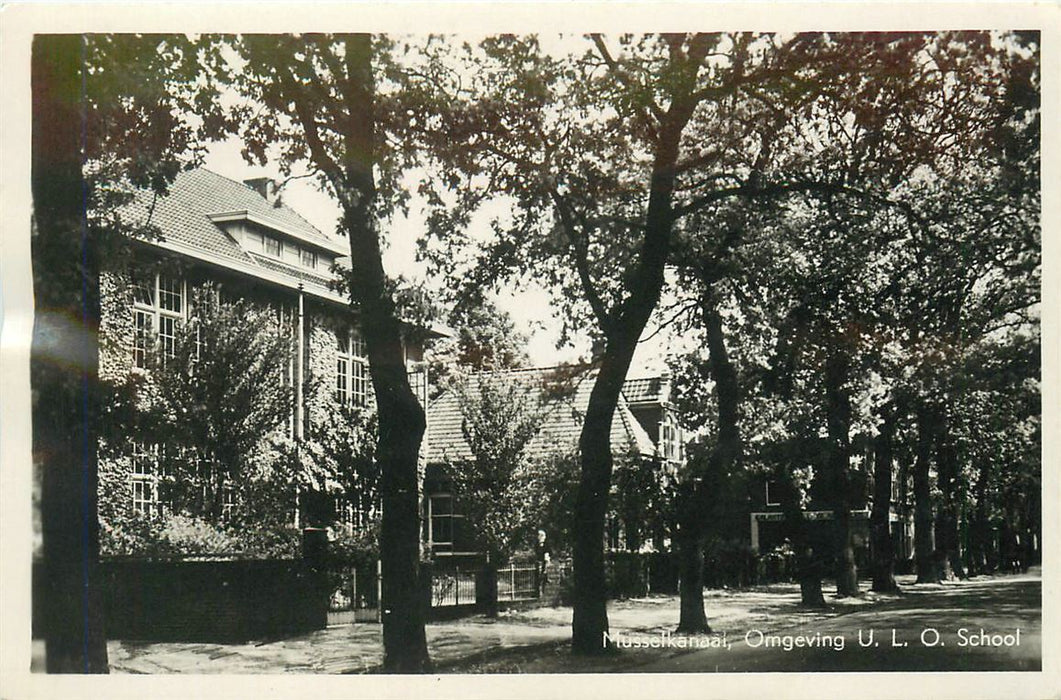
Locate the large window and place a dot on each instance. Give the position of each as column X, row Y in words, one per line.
column 309, row 258
column 159, row 304
column 670, row 438
column 144, row 479
column 418, row 382
column 351, row 369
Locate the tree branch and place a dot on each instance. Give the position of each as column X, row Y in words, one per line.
column 581, row 250
column 623, row 77
column 291, row 87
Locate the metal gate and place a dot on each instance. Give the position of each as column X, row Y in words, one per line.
column 354, row 594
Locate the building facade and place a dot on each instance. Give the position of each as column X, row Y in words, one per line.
column 240, row 238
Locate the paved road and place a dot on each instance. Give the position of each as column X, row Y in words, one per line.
column 962, row 626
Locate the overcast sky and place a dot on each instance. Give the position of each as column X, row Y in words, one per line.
column 531, row 308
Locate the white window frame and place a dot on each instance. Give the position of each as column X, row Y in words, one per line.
column 767, row 495
column 151, row 316
column 308, row 258
column 452, row 515
column 144, row 469
column 352, row 382
column 267, row 240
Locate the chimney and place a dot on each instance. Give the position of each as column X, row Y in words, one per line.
column 266, row 187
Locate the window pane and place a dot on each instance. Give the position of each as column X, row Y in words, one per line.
column 360, row 381
column 141, row 337
column 341, row 388
column 167, row 335
column 273, row 246
column 170, row 297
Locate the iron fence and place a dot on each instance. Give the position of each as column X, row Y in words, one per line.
column 453, row 587
column 518, row 582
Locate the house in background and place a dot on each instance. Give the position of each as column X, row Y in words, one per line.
column 243, row 238
column 767, row 527
column 643, row 430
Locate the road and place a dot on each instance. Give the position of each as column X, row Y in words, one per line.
column 960, row 626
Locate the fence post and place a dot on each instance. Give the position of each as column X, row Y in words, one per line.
column 379, row 590
column 512, row 580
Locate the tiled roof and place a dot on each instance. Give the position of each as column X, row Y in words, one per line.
column 183, row 217
column 564, row 392
column 304, row 275
column 648, row 389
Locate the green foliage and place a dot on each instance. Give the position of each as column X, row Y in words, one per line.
column 501, row 414
column 485, row 338
column 221, row 392
column 338, row 458
column 150, row 104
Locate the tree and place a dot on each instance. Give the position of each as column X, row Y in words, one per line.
column 129, row 95
column 484, row 338
column 215, row 398
column 328, row 101
column 501, row 415
column 604, row 153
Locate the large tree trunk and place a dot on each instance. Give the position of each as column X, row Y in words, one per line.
column 720, row 462
column 839, row 428
column 880, row 529
column 808, row 562
column 64, row 366
column 622, row 328
column 980, row 544
column 401, row 418
column 589, row 622
column 692, row 617
column 947, row 540
column 923, row 547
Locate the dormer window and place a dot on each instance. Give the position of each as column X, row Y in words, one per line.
column 272, row 246
column 309, row 259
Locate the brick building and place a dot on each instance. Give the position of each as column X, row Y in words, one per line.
column 241, row 237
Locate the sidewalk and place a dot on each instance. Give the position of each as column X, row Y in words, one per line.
column 480, row 644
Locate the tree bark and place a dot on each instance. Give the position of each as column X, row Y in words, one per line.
column 947, row 540
column 692, row 617
column 808, row 562
column 923, row 548
column 589, row 621
column 880, row 526
column 980, row 537
column 839, row 428
column 401, row 418
column 725, row 453
column 622, row 329
column 488, row 586
column 65, row 364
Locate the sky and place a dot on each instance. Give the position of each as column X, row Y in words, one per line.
column 531, row 306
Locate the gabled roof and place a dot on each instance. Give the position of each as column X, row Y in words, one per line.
column 564, row 392
column 198, row 200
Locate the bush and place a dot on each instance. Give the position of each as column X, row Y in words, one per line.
column 730, row 564
column 165, row 536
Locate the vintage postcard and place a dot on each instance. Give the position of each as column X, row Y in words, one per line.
column 529, row 349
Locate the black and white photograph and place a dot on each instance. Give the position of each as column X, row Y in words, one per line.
column 416, row 349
